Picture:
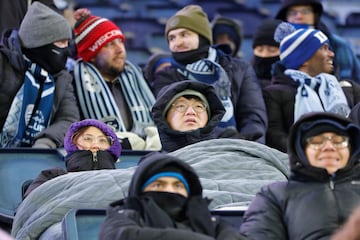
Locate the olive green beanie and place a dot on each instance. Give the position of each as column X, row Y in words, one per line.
column 191, row 17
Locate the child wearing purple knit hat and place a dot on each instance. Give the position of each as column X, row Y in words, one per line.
column 90, row 145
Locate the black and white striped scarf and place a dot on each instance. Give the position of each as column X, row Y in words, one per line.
column 96, row 100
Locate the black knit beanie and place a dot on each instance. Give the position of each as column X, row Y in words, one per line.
column 264, row 34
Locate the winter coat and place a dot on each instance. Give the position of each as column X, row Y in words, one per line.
column 279, row 98
column 140, row 217
column 172, row 140
column 246, row 95
column 12, row 74
column 312, row 204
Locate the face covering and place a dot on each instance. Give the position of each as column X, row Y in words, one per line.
column 263, row 66
column 49, row 57
column 193, row 55
column 172, row 203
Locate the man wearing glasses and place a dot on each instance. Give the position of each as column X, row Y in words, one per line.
column 187, row 112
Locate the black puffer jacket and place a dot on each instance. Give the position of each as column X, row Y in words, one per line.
column 140, row 217
column 312, row 204
column 172, row 140
column 279, row 98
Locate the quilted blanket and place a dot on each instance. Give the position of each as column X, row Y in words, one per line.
column 231, row 172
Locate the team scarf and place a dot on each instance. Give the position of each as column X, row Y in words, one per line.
column 30, row 110
column 97, row 102
column 209, row 71
column 321, row 93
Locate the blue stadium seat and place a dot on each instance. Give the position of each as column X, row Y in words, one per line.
column 156, row 42
column 84, row 224
column 211, row 6
column 250, row 18
column 18, row 166
column 271, row 6
column 353, row 19
column 138, row 56
column 233, row 217
column 106, row 11
column 136, row 30
column 161, row 12
column 130, row 158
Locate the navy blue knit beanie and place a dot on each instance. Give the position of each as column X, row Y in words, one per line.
column 298, row 46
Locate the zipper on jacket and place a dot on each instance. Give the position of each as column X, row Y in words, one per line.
column 331, row 183
column 95, row 161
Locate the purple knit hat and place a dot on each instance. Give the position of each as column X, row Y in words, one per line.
column 70, row 147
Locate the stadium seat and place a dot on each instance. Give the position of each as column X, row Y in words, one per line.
column 161, row 11
column 211, row 6
column 130, row 158
column 250, row 18
column 17, row 167
column 353, row 19
column 233, row 217
column 136, row 30
column 138, row 56
column 84, row 224
column 156, row 42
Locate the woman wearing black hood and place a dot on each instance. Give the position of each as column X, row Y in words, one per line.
column 323, row 188
column 173, row 138
column 164, row 202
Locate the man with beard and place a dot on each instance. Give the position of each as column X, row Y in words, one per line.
column 110, row 88
column 37, row 96
column 164, row 201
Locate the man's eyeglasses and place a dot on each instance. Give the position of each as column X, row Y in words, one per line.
column 294, row 12
column 90, row 140
column 319, row 142
column 181, row 107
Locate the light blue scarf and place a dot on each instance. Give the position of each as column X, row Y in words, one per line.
column 328, row 98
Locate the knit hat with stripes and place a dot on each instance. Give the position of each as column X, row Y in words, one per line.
column 92, row 33
column 298, row 46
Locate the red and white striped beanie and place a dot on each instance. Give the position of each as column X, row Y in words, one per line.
column 92, row 33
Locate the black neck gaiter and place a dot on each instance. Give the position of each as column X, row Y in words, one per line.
column 263, row 66
column 50, row 57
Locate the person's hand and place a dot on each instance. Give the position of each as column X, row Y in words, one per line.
column 81, row 12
